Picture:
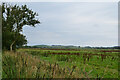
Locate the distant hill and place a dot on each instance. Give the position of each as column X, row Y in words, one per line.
column 68, row 47
column 55, row 46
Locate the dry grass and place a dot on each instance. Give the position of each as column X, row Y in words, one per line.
column 23, row 65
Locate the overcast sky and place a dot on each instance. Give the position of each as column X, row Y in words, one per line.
column 74, row 23
column 60, row 1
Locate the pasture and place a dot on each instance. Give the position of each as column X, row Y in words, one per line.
column 61, row 63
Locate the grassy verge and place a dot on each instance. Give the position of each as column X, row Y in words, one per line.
column 23, row 65
column 38, row 64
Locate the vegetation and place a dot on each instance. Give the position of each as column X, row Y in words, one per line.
column 14, row 18
column 56, row 61
column 18, row 65
column 68, row 47
column 38, row 63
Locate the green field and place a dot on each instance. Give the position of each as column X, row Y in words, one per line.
column 47, row 63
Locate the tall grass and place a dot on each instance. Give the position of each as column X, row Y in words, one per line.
column 28, row 64
column 23, row 65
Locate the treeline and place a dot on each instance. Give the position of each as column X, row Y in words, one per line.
column 51, row 47
column 68, row 47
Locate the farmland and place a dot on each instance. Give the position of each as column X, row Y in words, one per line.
column 71, row 40
column 61, row 63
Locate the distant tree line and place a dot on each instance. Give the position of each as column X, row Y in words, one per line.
column 14, row 17
column 114, row 47
column 68, row 47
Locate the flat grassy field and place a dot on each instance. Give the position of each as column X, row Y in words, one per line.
column 61, row 63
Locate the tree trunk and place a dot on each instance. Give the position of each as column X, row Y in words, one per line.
column 11, row 46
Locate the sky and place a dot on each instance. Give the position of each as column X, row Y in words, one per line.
column 74, row 23
column 59, row 0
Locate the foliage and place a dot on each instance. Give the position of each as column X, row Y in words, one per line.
column 22, row 65
column 33, row 63
column 14, row 17
column 97, row 61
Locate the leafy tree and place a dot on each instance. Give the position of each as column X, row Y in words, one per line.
column 14, row 17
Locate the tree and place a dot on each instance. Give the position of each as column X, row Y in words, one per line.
column 13, row 19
